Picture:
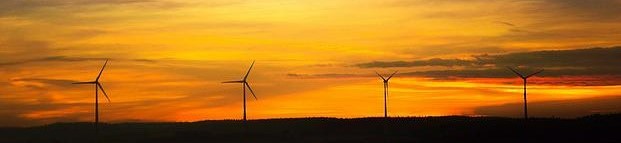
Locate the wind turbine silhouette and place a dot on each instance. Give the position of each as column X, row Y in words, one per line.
column 385, row 80
column 98, row 86
column 245, row 84
column 524, row 78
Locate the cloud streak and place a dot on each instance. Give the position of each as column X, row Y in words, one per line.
column 592, row 9
column 52, row 59
column 577, row 62
column 418, row 63
column 577, row 67
column 578, row 58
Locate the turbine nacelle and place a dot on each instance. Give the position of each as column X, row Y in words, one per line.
column 521, row 75
column 244, row 81
column 97, row 83
column 386, row 79
column 524, row 78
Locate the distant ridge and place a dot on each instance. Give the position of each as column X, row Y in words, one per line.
column 593, row 129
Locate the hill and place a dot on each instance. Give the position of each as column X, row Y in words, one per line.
column 590, row 129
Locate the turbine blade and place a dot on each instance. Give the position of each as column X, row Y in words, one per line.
column 535, row 73
column 249, row 88
column 234, row 81
column 393, row 74
column 102, row 69
column 83, row 82
column 104, row 91
column 380, row 75
column 247, row 73
column 514, row 71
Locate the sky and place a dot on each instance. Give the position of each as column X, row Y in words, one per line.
column 314, row 58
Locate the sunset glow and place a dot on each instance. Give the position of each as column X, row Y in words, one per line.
column 314, row 58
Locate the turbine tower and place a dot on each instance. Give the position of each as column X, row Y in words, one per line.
column 385, row 80
column 524, row 78
column 245, row 84
column 98, row 87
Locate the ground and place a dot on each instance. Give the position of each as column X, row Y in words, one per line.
column 450, row 129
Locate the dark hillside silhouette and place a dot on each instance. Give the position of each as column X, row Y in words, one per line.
column 450, row 129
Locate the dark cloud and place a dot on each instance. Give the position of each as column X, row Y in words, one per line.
column 586, row 77
column 419, row 63
column 321, row 75
column 604, row 73
column 54, row 3
column 514, row 28
column 578, row 58
column 28, row 7
column 562, row 108
column 592, row 65
column 145, row 60
column 582, row 33
column 582, row 9
column 470, row 73
column 15, row 6
column 506, row 23
column 586, row 9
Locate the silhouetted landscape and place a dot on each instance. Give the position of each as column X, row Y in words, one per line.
column 310, row 71
column 591, row 129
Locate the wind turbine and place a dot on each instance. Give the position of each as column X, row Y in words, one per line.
column 245, row 84
column 98, row 86
column 524, row 78
column 385, row 80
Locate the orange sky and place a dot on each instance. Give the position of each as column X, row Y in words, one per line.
column 314, row 57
